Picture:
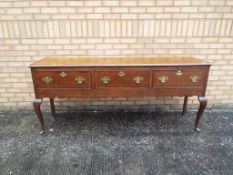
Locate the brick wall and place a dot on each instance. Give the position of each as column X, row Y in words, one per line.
column 30, row 30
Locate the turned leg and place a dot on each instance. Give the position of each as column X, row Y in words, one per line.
column 185, row 104
column 203, row 103
column 37, row 103
column 52, row 106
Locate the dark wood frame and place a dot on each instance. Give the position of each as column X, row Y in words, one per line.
column 95, row 92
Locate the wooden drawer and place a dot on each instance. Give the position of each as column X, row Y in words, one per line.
column 178, row 77
column 60, row 79
column 122, row 78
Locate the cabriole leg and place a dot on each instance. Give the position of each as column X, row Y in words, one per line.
column 203, row 103
column 52, row 107
column 37, row 103
column 185, row 105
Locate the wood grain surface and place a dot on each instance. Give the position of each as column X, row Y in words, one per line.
column 122, row 61
column 119, row 77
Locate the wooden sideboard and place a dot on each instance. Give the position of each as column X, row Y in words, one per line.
column 119, row 77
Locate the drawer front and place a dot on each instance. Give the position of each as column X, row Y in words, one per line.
column 179, row 77
column 60, row 79
column 122, row 78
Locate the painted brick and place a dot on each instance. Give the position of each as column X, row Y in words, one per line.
column 129, row 16
column 56, row 3
column 84, row 10
column 30, row 30
column 49, row 10
column 32, row 10
column 111, row 3
column 102, row 10
column 120, row 9
column 94, row 16
column 137, row 10
column 75, row 3
column 199, row 2
column 66, row 10
column 92, row 3
column 128, row 3
column 14, row 11
column 216, row 2
column 5, row 4
column 146, row 3
column 39, row 3
column 164, row 2
column 182, row 2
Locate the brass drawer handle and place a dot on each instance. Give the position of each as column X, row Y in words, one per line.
column 194, row 78
column 179, row 73
column 121, row 73
column 105, row 79
column 163, row 79
column 138, row 79
column 63, row 74
column 47, row 80
column 79, row 80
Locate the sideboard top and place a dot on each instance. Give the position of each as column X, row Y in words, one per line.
column 120, row 61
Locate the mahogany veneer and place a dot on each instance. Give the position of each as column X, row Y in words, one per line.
column 119, row 77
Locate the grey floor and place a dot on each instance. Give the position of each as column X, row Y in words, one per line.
column 127, row 143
